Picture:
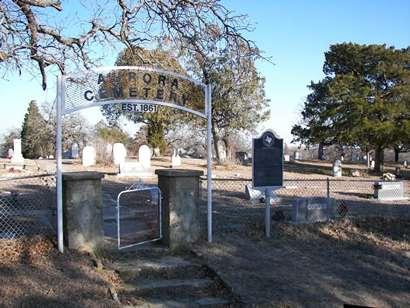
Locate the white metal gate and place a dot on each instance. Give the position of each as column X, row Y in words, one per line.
column 139, row 216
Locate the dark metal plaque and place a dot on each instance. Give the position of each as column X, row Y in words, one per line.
column 267, row 166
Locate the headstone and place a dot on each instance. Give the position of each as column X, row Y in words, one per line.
column 389, row 191
column 132, row 168
column 17, row 157
column 405, row 164
column 267, row 167
column 296, row 155
column 253, row 194
column 157, row 152
column 241, row 157
column 175, row 159
column 88, row 156
column 66, row 154
column 337, row 168
column 286, row 157
column 119, row 153
column 10, row 153
column 75, row 151
column 356, row 173
column 311, row 210
column 388, row 176
column 372, row 164
column 144, row 156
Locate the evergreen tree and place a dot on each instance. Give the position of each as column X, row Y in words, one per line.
column 34, row 133
column 363, row 101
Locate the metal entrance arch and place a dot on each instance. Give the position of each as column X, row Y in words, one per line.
column 90, row 78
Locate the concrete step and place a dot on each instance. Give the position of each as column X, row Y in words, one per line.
column 168, row 289
column 158, row 279
column 169, row 267
column 184, row 303
column 149, row 284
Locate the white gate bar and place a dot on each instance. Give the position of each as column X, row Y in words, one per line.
column 208, row 104
column 59, row 178
column 118, row 217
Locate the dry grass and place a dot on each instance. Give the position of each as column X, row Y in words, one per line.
column 34, row 274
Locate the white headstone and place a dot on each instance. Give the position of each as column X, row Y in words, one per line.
column 119, row 153
column 144, row 156
column 88, row 156
column 17, row 157
column 405, row 164
column 157, row 152
column 74, row 151
column 10, row 153
column 286, row 157
column 372, row 164
column 337, row 168
column 297, row 155
column 175, row 159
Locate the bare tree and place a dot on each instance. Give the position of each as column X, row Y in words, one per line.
column 30, row 38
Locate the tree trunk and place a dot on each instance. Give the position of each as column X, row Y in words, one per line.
column 378, row 159
column 216, row 139
column 320, row 152
column 228, row 148
column 396, row 154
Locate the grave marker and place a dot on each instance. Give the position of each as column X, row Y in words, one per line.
column 119, row 153
column 88, row 156
column 337, row 168
column 175, row 159
column 144, row 156
column 74, row 151
column 17, row 157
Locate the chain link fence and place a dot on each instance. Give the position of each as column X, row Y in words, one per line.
column 27, row 206
column 352, row 196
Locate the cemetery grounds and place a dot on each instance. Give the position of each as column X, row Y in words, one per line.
column 362, row 258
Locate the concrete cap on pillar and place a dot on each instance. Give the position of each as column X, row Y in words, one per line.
column 82, row 176
column 179, row 172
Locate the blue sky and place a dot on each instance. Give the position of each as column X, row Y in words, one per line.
column 294, row 33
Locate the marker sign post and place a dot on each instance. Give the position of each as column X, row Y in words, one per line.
column 267, row 169
column 131, row 89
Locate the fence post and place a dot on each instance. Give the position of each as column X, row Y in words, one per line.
column 327, row 188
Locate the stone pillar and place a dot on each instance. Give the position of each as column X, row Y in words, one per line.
column 83, row 210
column 180, row 213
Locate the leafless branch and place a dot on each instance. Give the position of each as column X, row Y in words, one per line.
column 201, row 27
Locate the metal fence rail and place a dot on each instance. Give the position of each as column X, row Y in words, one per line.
column 27, row 205
column 347, row 191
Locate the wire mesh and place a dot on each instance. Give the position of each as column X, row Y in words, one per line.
column 27, row 205
column 138, row 216
column 347, row 193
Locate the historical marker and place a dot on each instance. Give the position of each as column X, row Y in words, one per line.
column 267, row 161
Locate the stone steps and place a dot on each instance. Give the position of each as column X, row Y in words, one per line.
column 184, row 303
column 169, row 281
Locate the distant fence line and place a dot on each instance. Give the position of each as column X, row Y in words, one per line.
column 351, row 191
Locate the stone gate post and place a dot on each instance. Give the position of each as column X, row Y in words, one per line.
column 83, row 210
column 180, row 212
